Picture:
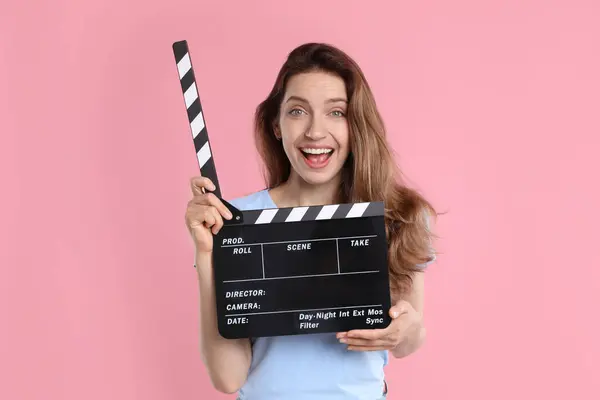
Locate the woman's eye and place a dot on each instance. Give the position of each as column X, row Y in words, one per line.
column 337, row 113
column 295, row 111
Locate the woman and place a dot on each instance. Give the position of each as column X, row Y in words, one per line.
column 322, row 141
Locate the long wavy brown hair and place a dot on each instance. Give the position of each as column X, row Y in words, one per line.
column 369, row 174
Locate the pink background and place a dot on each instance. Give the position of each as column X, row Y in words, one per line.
column 492, row 106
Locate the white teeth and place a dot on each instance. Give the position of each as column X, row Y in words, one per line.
column 316, row 151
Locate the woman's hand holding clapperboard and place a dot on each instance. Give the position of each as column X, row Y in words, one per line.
column 204, row 214
column 399, row 335
column 228, row 361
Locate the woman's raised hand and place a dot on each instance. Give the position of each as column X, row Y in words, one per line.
column 204, row 214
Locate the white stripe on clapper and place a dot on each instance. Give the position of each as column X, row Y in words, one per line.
column 357, row 210
column 327, row 211
column 197, row 125
column 190, row 95
column 296, row 214
column 184, row 65
column 204, row 155
column 266, row 216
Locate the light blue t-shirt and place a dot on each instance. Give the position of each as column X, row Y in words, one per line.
column 313, row 366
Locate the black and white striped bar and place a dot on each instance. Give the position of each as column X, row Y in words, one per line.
column 292, row 271
column 195, row 115
column 314, row 213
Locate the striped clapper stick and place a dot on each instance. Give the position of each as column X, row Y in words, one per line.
column 191, row 97
column 291, row 271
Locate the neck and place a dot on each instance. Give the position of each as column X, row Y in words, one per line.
column 296, row 192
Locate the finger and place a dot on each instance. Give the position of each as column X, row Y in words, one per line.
column 218, row 204
column 198, row 183
column 366, row 342
column 202, row 182
column 218, row 221
column 208, row 217
column 368, row 334
column 209, row 199
column 369, row 348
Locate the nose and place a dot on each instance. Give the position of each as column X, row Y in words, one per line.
column 317, row 129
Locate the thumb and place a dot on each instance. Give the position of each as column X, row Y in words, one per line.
column 398, row 309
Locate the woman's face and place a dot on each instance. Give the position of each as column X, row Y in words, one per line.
column 313, row 126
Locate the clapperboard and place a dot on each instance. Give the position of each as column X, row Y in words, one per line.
column 291, row 271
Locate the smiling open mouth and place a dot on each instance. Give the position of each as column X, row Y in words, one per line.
column 316, row 157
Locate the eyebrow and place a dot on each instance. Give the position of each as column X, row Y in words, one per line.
column 332, row 100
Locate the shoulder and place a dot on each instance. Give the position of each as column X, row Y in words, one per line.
column 254, row 201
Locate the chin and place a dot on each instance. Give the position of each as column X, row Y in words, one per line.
column 317, row 179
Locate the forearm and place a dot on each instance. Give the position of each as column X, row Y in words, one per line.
column 227, row 360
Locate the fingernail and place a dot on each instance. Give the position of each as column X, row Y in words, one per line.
column 394, row 314
column 342, row 340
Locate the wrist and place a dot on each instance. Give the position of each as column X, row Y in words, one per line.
column 203, row 264
column 412, row 342
column 202, row 257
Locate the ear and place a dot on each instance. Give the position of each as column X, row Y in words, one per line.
column 276, row 131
